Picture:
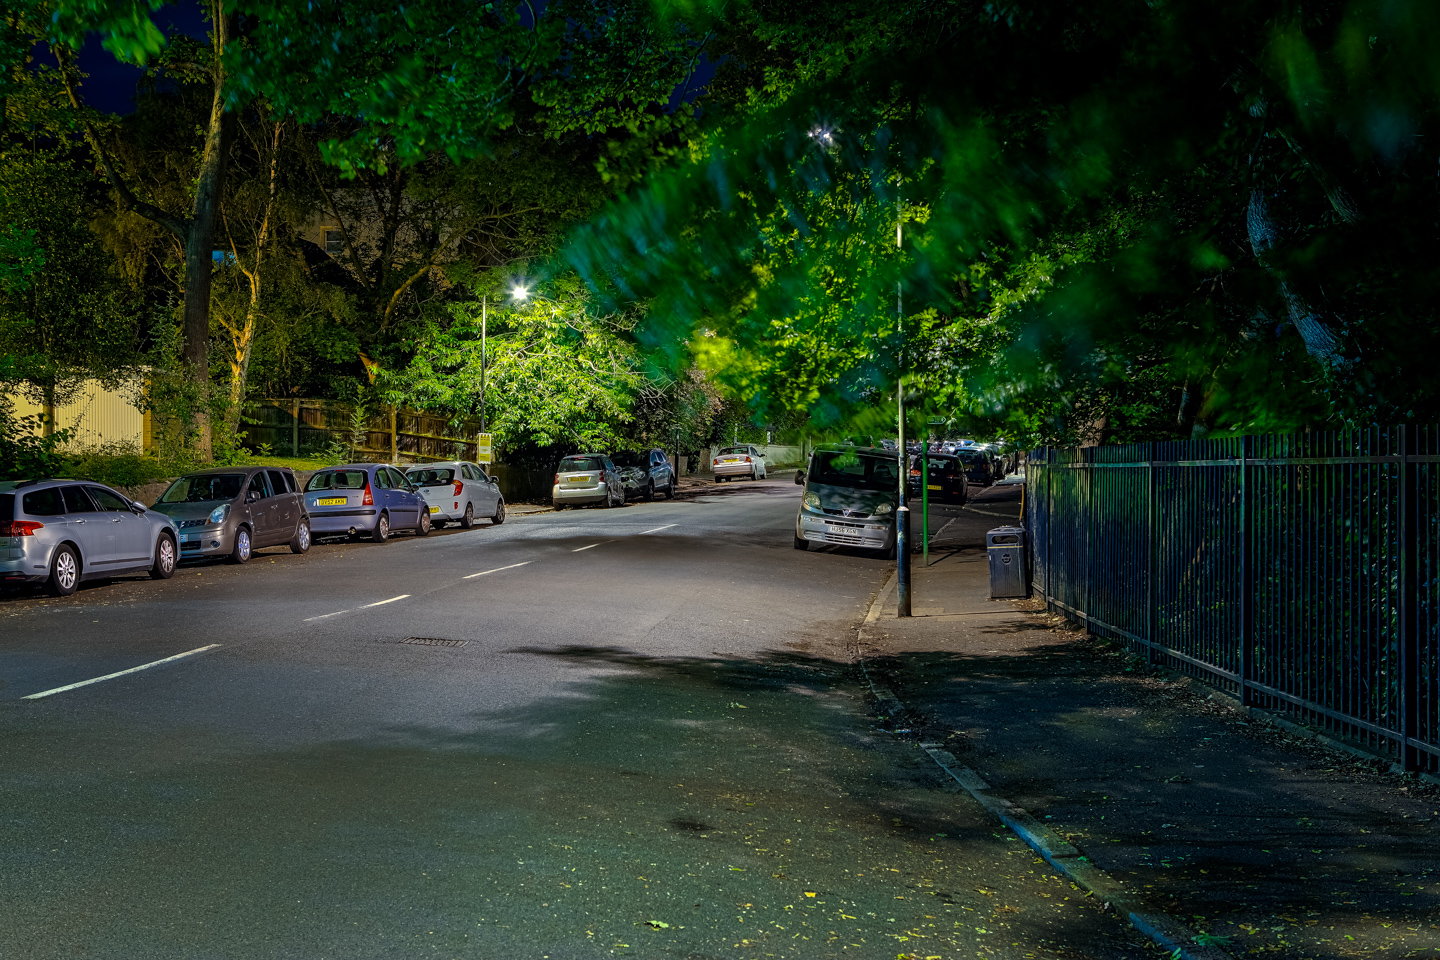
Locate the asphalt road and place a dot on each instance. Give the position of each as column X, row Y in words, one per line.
column 629, row 732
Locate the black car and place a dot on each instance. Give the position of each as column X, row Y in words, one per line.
column 645, row 473
column 978, row 468
column 945, row 477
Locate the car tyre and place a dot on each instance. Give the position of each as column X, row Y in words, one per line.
column 801, row 543
column 499, row 516
column 649, row 493
column 468, row 521
column 381, row 533
column 422, row 529
column 64, row 572
column 300, row 543
column 670, row 490
column 240, row 552
column 165, row 558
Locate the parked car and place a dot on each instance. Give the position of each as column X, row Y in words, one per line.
column 644, row 473
column 850, row 498
column 944, row 477
column 458, row 491
column 373, row 499
column 232, row 511
column 63, row 532
column 978, row 468
column 741, row 460
column 587, row 478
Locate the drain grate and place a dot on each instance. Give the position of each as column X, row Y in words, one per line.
column 433, row 642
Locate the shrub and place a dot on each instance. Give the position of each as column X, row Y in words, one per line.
column 118, row 464
column 23, row 453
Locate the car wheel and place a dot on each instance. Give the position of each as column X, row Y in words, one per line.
column 754, row 475
column 649, row 493
column 301, row 541
column 670, row 490
column 499, row 517
column 801, row 543
column 468, row 521
column 381, row 533
column 240, row 553
column 422, row 529
column 164, row 567
column 718, row 479
column 64, row 572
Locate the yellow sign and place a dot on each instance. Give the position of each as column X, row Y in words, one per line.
column 484, row 452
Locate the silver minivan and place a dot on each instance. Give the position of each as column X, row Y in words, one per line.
column 849, row 500
column 62, row 532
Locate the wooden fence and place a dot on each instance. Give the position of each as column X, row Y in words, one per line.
column 299, row 428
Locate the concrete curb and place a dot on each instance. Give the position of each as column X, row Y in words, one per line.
column 1068, row 860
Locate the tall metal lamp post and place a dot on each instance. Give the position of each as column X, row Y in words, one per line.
column 902, row 513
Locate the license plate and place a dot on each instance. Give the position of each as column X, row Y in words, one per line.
column 931, row 486
column 731, row 460
column 434, row 509
column 332, row 502
column 578, row 479
column 184, row 538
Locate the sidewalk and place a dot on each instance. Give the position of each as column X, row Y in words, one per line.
column 1231, row 825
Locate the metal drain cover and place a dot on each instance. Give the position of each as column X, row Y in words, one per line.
column 433, row 642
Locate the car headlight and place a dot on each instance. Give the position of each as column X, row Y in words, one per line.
column 883, row 509
column 811, row 501
column 219, row 514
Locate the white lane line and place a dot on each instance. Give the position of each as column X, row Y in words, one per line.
column 482, row 573
column 324, row 616
column 656, row 530
column 112, row 676
column 381, row 603
column 591, row 546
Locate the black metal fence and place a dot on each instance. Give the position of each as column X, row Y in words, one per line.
column 1301, row 573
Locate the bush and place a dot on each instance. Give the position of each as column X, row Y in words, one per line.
column 23, row 453
column 117, row 464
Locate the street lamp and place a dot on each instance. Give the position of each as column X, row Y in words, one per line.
column 517, row 292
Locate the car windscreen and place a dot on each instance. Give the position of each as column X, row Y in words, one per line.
column 204, row 488
column 7, row 507
column 579, row 464
column 337, row 480
column 441, row 477
column 970, row 457
column 627, row 459
column 858, row 471
column 732, row 451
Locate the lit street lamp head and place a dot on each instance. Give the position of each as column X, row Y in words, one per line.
column 519, row 292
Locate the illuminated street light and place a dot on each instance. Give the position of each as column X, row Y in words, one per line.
column 519, row 292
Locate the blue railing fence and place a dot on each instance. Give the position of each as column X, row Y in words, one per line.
column 1300, row 573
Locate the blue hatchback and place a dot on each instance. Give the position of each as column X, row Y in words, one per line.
column 365, row 498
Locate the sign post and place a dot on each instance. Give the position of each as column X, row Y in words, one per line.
column 484, row 452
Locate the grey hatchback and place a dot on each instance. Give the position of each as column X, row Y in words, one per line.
column 61, row 532
column 232, row 511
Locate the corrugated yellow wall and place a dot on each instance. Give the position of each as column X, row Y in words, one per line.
column 97, row 415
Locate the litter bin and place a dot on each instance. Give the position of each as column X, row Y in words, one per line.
column 1009, row 574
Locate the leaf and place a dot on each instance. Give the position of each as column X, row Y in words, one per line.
column 657, row 924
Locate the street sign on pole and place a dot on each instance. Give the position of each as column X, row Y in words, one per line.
column 484, row 452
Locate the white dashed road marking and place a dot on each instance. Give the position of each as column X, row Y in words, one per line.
column 112, row 676
column 482, row 573
column 657, row 529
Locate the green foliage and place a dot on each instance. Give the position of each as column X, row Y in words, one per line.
column 117, row 464
column 24, row 452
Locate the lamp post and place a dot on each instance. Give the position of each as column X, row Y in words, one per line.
column 902, row 513
column 484, row 315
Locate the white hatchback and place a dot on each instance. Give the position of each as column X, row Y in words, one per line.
column 458, row 491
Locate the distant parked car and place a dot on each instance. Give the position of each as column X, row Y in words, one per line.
column 741, row 460
column 373, row 499
column 645, row 473
column 458, row 491
column 587, row 478
column 232, row 511
column 978, row 468
column 945, row 478
column 63, row 532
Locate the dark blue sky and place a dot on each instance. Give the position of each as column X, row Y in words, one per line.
column 111, row 84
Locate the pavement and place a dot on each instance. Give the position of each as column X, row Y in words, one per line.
column 1263, row 841
column 636, row 732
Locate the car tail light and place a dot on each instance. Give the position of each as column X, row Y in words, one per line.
column 747, row 459
column 458, row 487
column 557, row 479
column 367, row 499
column 20, row 528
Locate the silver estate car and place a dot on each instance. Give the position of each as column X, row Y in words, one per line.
column 744, row 460
column 849, row 499
column 458, row 491
column 62, row 532
column 231, row 512
column 587, row 478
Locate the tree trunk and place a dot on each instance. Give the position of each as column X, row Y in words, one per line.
column 1321, row 340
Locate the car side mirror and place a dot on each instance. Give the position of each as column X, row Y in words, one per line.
column 799, row 477
column 251, row 496
column 137, row 508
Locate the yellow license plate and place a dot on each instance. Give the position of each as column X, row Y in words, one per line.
column 931, row 486
column 332, row 502
column 578, row 479
column 434, row 509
